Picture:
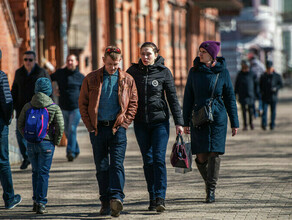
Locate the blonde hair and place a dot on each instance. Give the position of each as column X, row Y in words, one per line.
column 113, row 52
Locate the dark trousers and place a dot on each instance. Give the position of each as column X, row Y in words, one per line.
column 109, row 153
column 5, row 171
column 273, row 105
column 250, row 109
column 22, row 144
column 152, row 140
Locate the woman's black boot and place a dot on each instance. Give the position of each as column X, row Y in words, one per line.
column 212, row 177
column 202, row 167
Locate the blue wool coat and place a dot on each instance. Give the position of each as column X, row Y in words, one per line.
column 198, row 90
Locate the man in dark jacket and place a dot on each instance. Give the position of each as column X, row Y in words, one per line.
column 6, row 107
column 69, row 81
column 246, row 88
column 22, row 92
column 270, row 83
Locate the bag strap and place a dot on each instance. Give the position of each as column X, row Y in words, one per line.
column 211, row 99
column 179, row 136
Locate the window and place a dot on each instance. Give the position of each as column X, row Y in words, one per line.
column 264, row 2
column 247, row 3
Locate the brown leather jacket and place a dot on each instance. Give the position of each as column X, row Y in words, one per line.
column 90, row 96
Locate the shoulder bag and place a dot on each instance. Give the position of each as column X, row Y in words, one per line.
column 204, row 115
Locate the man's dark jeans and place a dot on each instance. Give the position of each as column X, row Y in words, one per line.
column 265, row 113
column 5, row 171
column 40, row 156
column 109, row 153
column 152, row 140
column 22, row 143
column 71, row 121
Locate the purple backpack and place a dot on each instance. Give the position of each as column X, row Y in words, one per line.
column 36, row 124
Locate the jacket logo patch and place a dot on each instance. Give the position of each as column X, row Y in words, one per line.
column 155, row 83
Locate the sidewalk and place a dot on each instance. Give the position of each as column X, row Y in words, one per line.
column 255, row 180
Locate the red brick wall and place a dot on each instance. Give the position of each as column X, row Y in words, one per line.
column 20, row 12
column 9, row 62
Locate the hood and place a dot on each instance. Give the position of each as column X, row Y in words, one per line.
column 219, row 67
column 41, row 100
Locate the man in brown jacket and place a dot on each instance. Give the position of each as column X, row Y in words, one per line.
column 108, row 103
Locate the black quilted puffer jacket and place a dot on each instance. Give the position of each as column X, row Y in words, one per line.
column 155, row 84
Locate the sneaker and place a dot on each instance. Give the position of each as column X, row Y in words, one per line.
column 41, row 209
column 116, row 207
column 105, row 208
column 24, row 164
column 17, row 199
column 70, row 157
column 34, row 206
column 160, row 205
column 251, row 126
column 152, row 205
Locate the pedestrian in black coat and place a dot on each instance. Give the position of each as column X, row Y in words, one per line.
column 156, row 91
column 23, row 91
column 208, row 140
column 270, row 83
column 245, row 88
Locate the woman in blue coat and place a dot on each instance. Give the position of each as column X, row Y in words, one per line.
column 208, row 140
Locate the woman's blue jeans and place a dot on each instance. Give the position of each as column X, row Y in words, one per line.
column 5, row 171
column 40, row 155
column 152, row 140
column 109, row 153
column 71, row 121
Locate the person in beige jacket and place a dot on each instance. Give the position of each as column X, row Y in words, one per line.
column 41, row 154
column 108, row 104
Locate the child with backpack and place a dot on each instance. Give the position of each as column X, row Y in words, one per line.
column 42, row 125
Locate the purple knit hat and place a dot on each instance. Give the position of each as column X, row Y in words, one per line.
column 212, row 47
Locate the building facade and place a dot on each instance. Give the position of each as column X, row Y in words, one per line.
column 263, row 28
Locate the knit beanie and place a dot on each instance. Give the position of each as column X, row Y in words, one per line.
column 212, row 48
column 43, row 85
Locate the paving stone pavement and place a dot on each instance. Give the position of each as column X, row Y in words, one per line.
column 255, row 180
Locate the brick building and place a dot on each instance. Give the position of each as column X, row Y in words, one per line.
column 176, row 26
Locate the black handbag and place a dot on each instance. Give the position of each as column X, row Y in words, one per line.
column 204, row 115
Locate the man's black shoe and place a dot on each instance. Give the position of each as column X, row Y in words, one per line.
column 152, row 205
column 105, row 208
column 34, row 206
column 116, row 206
column 70, row 157
column 24, row 164
column 41, row 209
column 160, row 205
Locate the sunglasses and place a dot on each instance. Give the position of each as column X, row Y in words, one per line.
column 26, row 59
column 113, row 50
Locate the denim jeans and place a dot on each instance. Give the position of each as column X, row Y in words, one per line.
column 265, row 113
column 40, row 156
column 22, row 143
column 71, row 121
column 5, row 171
column 109, row 153
column 152, row 140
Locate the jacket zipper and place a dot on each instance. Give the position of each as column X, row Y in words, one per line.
column 146, row 101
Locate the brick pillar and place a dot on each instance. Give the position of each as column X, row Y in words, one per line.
column 20, row 12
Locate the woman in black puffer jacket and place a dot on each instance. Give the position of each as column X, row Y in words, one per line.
column 151, row 123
